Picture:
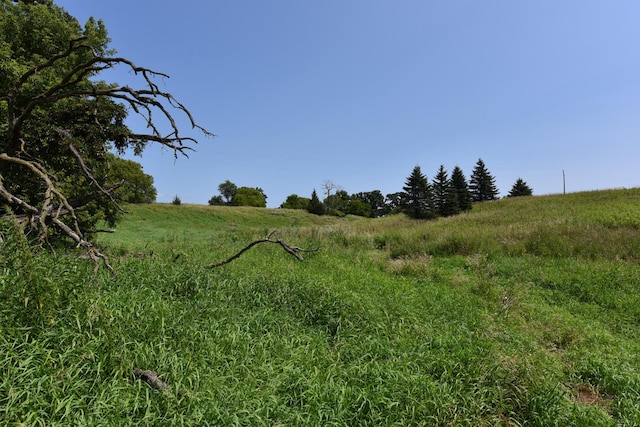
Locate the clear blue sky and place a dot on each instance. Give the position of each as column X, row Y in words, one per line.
column 360, row 91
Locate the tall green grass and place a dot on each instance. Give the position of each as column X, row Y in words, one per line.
column 460, row 321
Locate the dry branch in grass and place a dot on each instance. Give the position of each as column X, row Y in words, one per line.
column 152, row 378
column 293, row 250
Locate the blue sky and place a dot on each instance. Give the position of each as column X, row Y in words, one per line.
column 358, row 92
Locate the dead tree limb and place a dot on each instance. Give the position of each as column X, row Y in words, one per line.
column 293, row 250
column 51, row 208
column 152, row 378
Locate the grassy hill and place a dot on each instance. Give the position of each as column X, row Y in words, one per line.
column 523, row 311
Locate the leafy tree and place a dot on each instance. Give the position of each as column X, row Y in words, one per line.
column 59, row 122
column 394, row 202
column 375, row 200
column 216, row 201
column 482, row 184
column 315, row 205
column 460, row 188
column 294, row 201
column 418, row 200
column 338, row 203
column 444, row 195
column 228, row 190
column 520, row 188
column 246, row 196
column 359, row 208
column 138, row 186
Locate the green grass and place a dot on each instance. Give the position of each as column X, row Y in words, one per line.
column 521, row 312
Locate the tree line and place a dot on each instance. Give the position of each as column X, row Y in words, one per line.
column 420, row 198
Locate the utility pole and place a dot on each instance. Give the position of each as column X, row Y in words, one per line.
column 564, row 186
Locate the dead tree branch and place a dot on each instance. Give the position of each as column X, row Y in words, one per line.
column 54, row 208
column 152, row 378
column 293, row 250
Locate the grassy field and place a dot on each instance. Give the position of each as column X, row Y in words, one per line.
column 523, row 311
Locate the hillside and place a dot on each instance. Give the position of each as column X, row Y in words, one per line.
column 523, row 311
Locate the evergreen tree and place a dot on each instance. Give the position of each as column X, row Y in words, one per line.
column 482, row 184
column 315, row 205
column 444, row 196
column 418, row 200
column 520, row 188
column 461, row 189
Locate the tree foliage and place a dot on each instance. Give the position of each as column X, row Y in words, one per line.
column 216, row 201
column 482, row 184
column 445, row 198
column 315, row 205
column 461, row 189
column 137, row 186
column 375, row 202
column 247, row 196
column 394, row 201
column 338, row 203
column 520, row 188
column 58, row 122
column 294, row 201
column 418, row 201
column 227, row 189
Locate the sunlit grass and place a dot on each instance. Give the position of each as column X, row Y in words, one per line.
column 521, row 312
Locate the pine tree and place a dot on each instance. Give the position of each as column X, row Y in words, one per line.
column 315, row 205
column 418, row 201
column 444, row 196
column 520, row 188
column 461, row 189
column 482, row 184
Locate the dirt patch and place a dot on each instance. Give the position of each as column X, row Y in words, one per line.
column 586, row 395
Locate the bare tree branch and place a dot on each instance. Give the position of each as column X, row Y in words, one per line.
column 52, row 213
column 293, row 250
column 90, row 176
column 54, row 208
column 153, row 379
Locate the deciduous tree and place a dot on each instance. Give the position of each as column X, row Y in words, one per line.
column 58, row 122
column 228, row 190
column 137, row 186
column 294, row 201
column 247, row 196
column 216, row 201
column 375, row 200
column 338, row 203
column 394, row 201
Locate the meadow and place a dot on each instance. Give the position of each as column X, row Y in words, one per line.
column 522, row 312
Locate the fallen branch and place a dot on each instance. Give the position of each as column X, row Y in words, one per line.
column 152, row 378
column 293, row 250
